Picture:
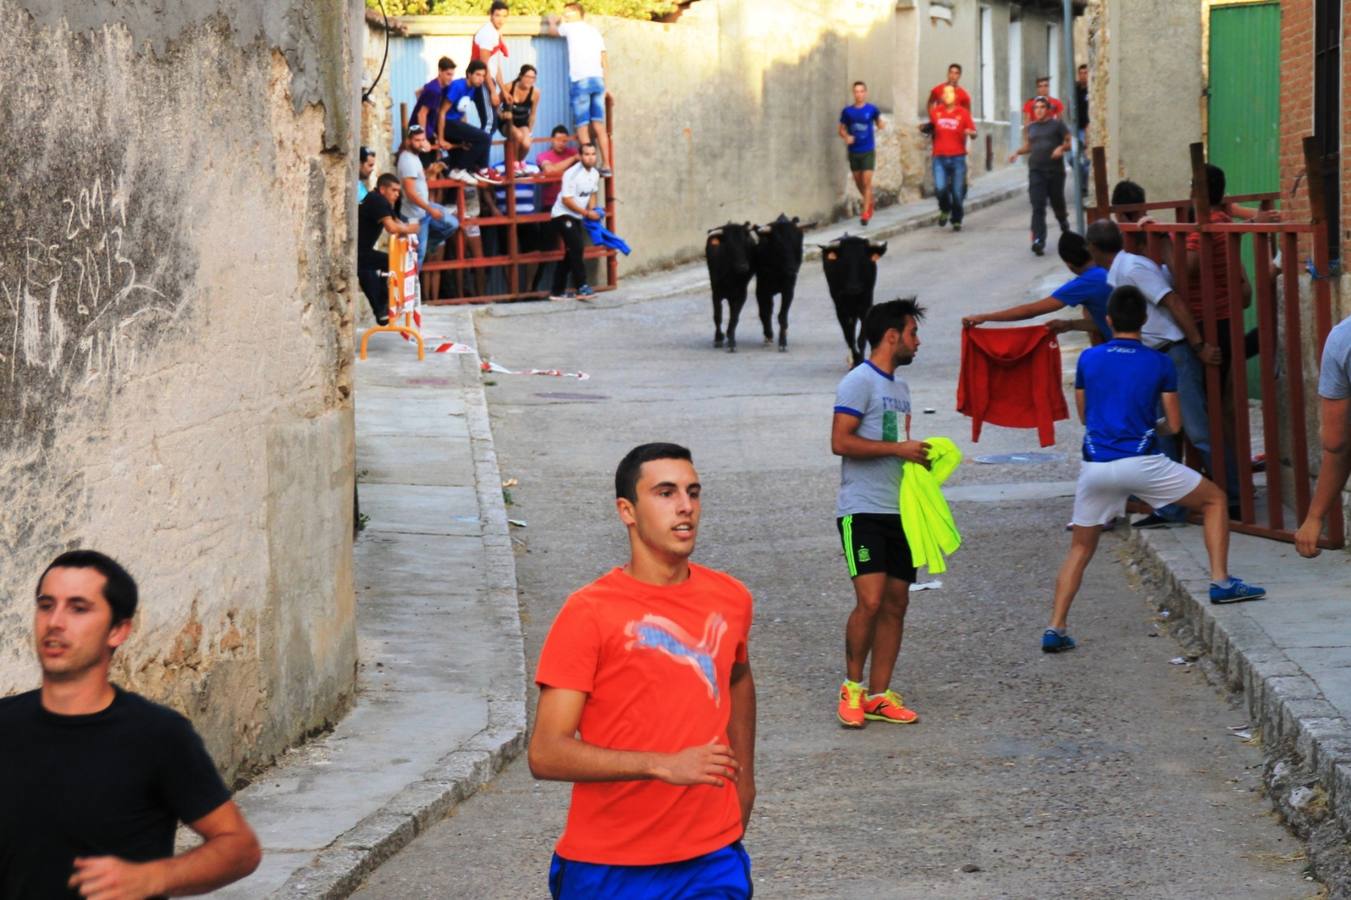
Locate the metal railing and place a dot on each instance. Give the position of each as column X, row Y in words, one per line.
column 1282, row 331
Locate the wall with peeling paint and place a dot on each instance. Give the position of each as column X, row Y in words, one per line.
column 176, row 342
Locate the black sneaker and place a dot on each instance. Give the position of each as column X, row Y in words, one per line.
column 1038, row 248
column 1154, row 520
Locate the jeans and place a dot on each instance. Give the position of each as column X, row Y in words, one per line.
column 1191, row 395
column 569, row 229
column 950, row 185
column 1083, row 156
column 588, row 100
column 1043, row 185
column 432, row 232
column 476, row 156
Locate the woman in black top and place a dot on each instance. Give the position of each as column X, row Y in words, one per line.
column 520, row 102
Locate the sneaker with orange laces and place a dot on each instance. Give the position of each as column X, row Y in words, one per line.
column 888, row 707
column 850, row 711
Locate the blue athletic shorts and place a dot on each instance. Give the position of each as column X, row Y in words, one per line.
column 721, row 875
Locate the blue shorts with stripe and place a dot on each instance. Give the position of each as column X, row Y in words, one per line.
column 721, row 875
column 876, row 542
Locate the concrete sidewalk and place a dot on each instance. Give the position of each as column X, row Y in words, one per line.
column 440, row 704
column 1290, row 657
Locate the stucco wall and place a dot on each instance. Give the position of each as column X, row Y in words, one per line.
column 1148, row 54
column 175, row 345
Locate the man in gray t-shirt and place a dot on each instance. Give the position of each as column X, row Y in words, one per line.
column 871, row 435
column 1045, row 142
column 1334, row 391
column 436, row 222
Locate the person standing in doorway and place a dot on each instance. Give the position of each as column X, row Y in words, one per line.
column 94, row 779
column 952, row 125
column 1046, row 140
column 589, row 73
column 664, row 782
column 870, row 433
column 963, row 99
column 576, row 202
column 858, row 124
column 1081, row 121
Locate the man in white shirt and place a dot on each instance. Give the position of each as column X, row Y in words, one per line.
column 1169, row 329
column 588, row 71
column 576, row 202
column 489, row 47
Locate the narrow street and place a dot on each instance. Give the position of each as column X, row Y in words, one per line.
column 1106, row 772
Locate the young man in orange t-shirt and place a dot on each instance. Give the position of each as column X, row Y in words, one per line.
column 647, row 704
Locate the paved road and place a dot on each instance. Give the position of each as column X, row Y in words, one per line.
column 1106, row 772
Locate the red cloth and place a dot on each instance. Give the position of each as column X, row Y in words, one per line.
column 1011, row 377
column 963, row 98
column 950, row 128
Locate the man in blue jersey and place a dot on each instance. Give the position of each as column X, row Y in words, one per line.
column 1118, row 388
column 858, row 125
column 1087, row 290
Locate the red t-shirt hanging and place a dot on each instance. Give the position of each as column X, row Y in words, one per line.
column 655, row 663
column 950, row 128
column 1011, row 377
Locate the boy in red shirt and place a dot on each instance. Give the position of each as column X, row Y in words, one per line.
column 663, row 790
column 952, row 125
column 954, row 76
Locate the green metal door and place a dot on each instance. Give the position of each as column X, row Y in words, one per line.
column 1244, row 109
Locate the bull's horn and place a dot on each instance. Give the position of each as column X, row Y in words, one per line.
column 878, row 248
column 717, row 230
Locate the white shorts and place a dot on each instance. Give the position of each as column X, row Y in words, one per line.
column 1104, row 486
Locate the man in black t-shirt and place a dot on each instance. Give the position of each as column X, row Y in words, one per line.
column 376, row 215
column 95, row 779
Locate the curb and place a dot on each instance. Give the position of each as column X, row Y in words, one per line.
column 340, row 868
column 1305, row 742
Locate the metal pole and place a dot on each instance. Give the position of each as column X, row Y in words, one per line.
column 1076, row 154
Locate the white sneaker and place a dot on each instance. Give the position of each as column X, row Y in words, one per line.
column 462, row 175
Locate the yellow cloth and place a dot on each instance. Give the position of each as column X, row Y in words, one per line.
column 929, row 528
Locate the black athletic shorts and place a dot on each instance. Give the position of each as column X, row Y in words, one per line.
column 875, row 542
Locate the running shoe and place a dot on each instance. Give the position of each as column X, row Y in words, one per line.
column 566, row 295
column 1055, row 642
column 867, row 215
column 1237, row 592
column 956, row 226
column 942, row 219
column 1038, row 247
column 605, row 171
column 462, row 175
column 586, row 292
column 850, row 711
column 888, row 707
column 489, row 175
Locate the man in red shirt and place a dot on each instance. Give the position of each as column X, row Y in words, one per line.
column 1054, row 107
column 952, row 125
column 647, row 704
column 954, row 76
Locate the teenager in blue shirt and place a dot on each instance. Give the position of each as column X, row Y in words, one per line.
column 1118, row 388
column 1088, row 290
column 858, row 124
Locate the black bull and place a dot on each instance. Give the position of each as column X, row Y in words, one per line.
column 850, row 263
column 778, row 257
column 729, row 250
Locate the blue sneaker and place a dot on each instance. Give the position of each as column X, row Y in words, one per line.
column 586, row 292
column 1237, row 592
column 1054, row 642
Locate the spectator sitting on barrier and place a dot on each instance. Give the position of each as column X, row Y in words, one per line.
column 588, row 72
column 376, row 216
column 435, row 222
column 520, row 101
column 554, row 162
column 576, row 201
column 426, row 112
column 462, row 115
column 489, row 49
column 364, row 171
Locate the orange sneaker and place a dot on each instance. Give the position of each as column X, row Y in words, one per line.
column 850, row 711
column 888, row 707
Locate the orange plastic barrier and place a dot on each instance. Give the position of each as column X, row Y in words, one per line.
column 404, row 294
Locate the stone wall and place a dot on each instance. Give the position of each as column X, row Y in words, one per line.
column 175, row 345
